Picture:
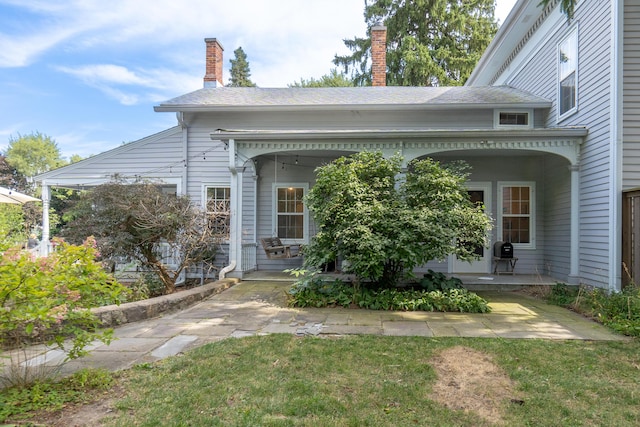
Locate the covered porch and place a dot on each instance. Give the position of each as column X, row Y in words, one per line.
column 255, row 157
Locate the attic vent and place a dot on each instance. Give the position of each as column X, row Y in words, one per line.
column 514, row 119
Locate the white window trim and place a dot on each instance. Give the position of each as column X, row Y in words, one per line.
column 203, row 196
column 532, row 209
column 274, row 207
column 496, row 118
column 573, row 32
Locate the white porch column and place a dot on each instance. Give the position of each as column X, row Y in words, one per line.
column 46, row 198
column 235, row 232
column 574, row 265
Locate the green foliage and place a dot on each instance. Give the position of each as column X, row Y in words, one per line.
column 566, row 6
column 47, row 300
column 429, row 42
column 313, row 292
column 139, row 221
column 333, row 79
column 382, row 228
column 617, row 310
column 240, row 73
column 49, row 395
column 12, row 230
column 33, row 154
column 433, row 281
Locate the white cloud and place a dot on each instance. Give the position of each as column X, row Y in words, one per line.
column 131, row 87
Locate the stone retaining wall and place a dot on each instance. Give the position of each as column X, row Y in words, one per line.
column 114, row 315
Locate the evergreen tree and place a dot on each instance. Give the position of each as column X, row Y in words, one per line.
column 429, row 42
column 240, row 70
column 333, row 79
column 566, row 6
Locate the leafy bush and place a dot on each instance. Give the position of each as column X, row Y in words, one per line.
column 433, row 281
column 383, row 228
column 618, row 310
column 313, row 292
column 48, row 300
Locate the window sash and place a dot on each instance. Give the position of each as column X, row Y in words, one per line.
column 567, row 74
column 290, row 213
column 517, row 214
column 218, row 208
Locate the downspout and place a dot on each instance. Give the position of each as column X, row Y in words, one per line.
column 233, row 251
column 185, row 152
column 615, row 153
column 227, row 269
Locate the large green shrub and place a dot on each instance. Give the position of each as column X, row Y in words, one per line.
column 48, row 300
column 384, row 222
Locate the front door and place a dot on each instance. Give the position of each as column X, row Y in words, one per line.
column 480, row 194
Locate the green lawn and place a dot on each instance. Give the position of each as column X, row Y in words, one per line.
column 282, row 380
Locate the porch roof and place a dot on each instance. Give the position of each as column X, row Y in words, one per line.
column 564, row 142
column 388, row 97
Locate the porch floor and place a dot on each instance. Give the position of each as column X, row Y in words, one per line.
column 475, row 282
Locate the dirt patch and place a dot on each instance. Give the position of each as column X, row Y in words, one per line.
column 469, row 380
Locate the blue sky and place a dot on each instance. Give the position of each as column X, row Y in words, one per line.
column 87, row 72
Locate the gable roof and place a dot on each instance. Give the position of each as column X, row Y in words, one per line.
column 336, row 98
column 124, row 159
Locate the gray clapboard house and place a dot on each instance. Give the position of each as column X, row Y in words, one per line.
column 541, row 122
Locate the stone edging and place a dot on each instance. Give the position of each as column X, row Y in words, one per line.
column 114, row 315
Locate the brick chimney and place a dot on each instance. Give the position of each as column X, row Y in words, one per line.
column 213, row 76
column 379, row 55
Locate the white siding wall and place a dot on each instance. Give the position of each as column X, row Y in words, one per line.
column 539, row 76
column 631, row 90
column 534, row 168
column 557, row 217
column 157, row 156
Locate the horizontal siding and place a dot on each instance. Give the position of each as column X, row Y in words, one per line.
column 157, row 156
column 539, row 76
column 631, row 97
column 557, row 217
column 341, row 120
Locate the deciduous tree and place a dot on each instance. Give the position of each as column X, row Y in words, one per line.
column 33, row 154
column 139, row 221
column 429, row 42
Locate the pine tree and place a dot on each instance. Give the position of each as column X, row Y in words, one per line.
column 240, row 70
column 333, row 79
column 429, row 42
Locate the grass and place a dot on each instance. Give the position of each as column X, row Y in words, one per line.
column 49, row 395
column 281, row 380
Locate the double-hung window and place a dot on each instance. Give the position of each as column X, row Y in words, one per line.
column 516, row 222
column 568, row 75
column 290, row 215
column 218, row 201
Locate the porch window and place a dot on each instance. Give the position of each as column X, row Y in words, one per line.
column 568, row 75
column 219, row 210
column 291, row 217
column 516, row 224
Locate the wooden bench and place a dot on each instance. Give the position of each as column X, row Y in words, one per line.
column 510, row 265
column 274, row 248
